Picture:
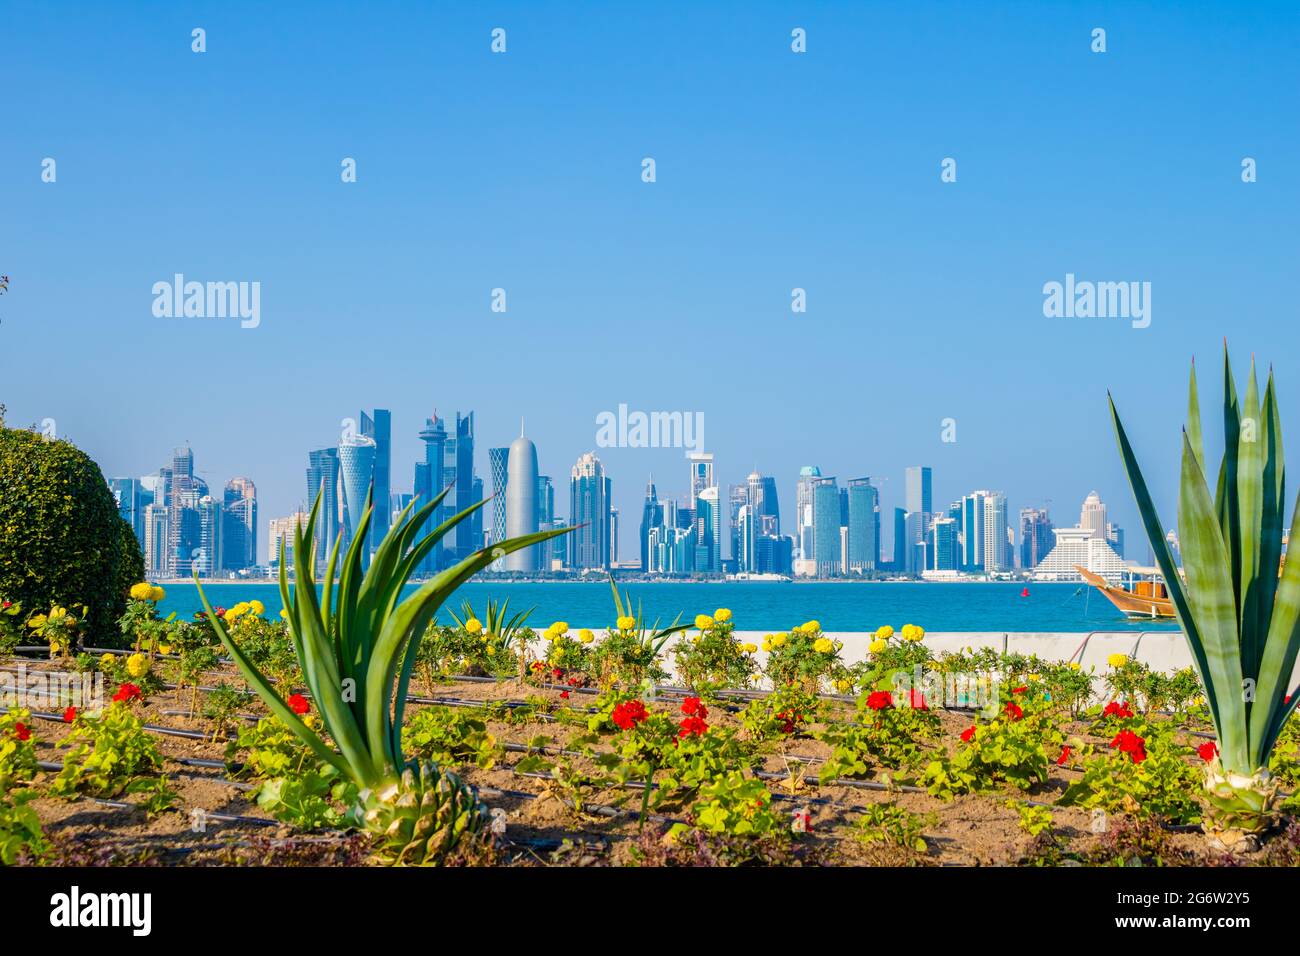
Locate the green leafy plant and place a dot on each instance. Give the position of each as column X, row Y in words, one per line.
column 1241, row 617
column 894, row 825
column 884, row 737
column 106, row 752
column 1031, row 818
column 1150, row 778
column 17, row 748
column 357, row 646
column 785, row 712
column 1009, row 749
column 505, row 637
column 450, row 737
column 11, row 627
column 21, row 835
column 735, row 805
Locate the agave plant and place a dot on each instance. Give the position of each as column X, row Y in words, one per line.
column 357, row 645
column 1238, row 606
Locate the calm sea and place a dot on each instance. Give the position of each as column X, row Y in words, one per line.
column 766, row 606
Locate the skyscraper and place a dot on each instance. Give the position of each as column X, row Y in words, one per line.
column 429, row 480
column 460, row 467
column 918, row 497
column 498, row 463
column 379, row 427
column 864, row 503
column 809, row 475
column 708, row 530
column 826, row 526
column 1036, row 538
column 521, row 501
column 972, row 532
column 185, row 490
column 129, row 495
column 589, row 504
column 239, row 525
column 701, row 472
column 207, row 558
column 997, row 542
column 652, row 517
column 356, row 456
column 323, row 480
column 944, row 545
column 1093, row 515
column 737, row 498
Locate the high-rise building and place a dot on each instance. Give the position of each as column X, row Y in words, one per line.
column 156, row 536
column 1093, row 515
column 737, row 498
column 809, row 475
column 589, row 504
column 1115, row 538
column 239, row 525
column 521, row 502
column 356, row 472
column 1036, row 538
column 613, row 536
column 323, row 481
column 701, row 472
column 283, row 530
column 944, row 544
column 207, row 560
column 652, row 518
column 498, row 465
column 918, row 496
column 972, row 532
column 460, row 468
column 183, row 524
column 379, row 427
column 129, row 495
column 708, row 530
column 997, row 547
column 864, row 511
column 826, row 526
column 429, row 481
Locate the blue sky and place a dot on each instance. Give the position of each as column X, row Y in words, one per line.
column 774, row 170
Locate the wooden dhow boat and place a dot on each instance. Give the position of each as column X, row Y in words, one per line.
column 1146, row 598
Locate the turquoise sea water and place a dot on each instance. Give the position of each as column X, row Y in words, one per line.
column 768, row 606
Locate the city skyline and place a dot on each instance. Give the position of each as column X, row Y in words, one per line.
column 838, row 528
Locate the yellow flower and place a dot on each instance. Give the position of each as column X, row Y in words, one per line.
column 586, row 636
column 557, row 629
column 915, row 634
column 284, row 613
column 36, row 620
column 884, row 633
column 1074, row 665
column 703, row 621
column 823, row 645
column 473, row 625
column 491, row 650
column 878, row 645
column 778, row 640
column 842, row 685
column 141, row 591
column 137, row 665
column 58, row 613
column 164, row 648
column 1117, row 660
column 257, row 607
column 106, row 661
column 1035, row 676
column 156, row 594
column 626, row 623
column 767, row 644
column 722, row 615
column 749, row 648
column 810, row 627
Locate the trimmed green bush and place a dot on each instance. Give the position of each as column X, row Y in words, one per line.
column 61, row 538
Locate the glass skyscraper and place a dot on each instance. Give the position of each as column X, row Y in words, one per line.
column 864, row 505
column 826, row 526
column 323, row 480
column 356, row 472
column 379, row 428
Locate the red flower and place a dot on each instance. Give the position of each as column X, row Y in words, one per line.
column 1130, row 743
column 879, row 700
column 916, row 700
column 70, row 715
column 629, row 713
column 564, row 695
column 221, row 612
column 1013, row 711
column 127, row 692
column 693, row 725
column 1019, row 690
column 1208, row 750
column 557, row 673
column 1065, row 755
column 693, row 707
column 6, row 604
column 21, row 731
column 1116, row 709
column 298, row 704
column 968, row 734
column 538, row 666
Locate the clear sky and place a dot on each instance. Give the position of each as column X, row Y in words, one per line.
column 775, row 170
